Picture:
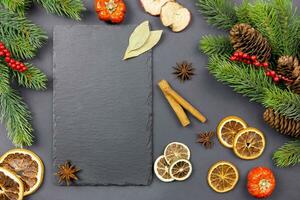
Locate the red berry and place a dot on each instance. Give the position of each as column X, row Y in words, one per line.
column 13, row 66
column 236, row 54
column 5, row 50
column 232, row 58
column 268, row 73
column 273, row 74
column 2, row 47
column 245, row 56
column 12, row 61
column 17, row 62
column 248, row 62
column 254, row 58
column 257, row 64
column 7, row 54
column 22, row 65
column 241, row 54
column 18, row 67
column 1, row 53
column 24, row 68
column 7, row 59
column 265, row 64
column 276, row 79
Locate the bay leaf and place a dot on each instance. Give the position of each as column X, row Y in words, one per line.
column 139, row 36
column 149, row 44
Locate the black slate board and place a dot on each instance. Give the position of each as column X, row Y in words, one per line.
column 102, row 106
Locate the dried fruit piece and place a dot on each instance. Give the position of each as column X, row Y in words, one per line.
column 249, row 143
column 175, row 151
column 27, row 166
column 139, row 36
column 149, row 44
column 228, row 128
column 153, row 7
column 223, row 176
column 261, row 182
column 161, row 169
column 181, row 170
column 11, row 187
column 175, row 16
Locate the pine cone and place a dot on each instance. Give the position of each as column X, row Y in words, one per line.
column 245, row 38
column 282, row 124
column 289, row 66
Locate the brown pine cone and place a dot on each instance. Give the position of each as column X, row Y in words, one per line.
column 245, row 38
column 282, row 124
column 289, row 66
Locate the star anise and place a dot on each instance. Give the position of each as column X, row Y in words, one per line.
column 184, row 71
column 206, row 139
column 67, row 173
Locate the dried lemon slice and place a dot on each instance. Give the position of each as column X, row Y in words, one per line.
column 249, row 144
column 28, row 167
column 11, row 187
column 175, row 151
column 161, row 169
column 228, row 128
column 181, row 169
column 222, row 176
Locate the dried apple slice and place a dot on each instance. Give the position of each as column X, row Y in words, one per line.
column 153, row 7
column 175, row 16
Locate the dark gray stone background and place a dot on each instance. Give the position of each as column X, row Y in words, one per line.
column 102, row 106
column 214, row 99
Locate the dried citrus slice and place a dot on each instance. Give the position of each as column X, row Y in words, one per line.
column 222, row 176
column 161, row 169
column 228, row 128
column 181, row 169
column 28, row 167
column 175, row 151
column 249, row 143
column 11, row 187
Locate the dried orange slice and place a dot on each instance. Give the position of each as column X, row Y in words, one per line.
column 28, row 167
column 161, row 169
column 175, row 151
column 222, row 176
column 181, row 169
column 249, row 143
column 11, row 187
column 228, row 128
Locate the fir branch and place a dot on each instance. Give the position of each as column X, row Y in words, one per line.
column 242, row 12
column 4, row 79
column 32, row 78
column 288, row 154
column 20, row 35
column 18, row 6
column 211, row 45
column 69, row 8
column 245, row 80
column 16, row 116
column 283, row 101
column 219, row 13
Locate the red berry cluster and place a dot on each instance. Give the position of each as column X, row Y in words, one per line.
column 252, row 60
column 15, row 65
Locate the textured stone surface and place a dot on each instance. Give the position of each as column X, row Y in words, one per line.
column 102, row 106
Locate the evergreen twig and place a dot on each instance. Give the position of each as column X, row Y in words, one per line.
column 32, row 78
column 4, row 79
column 18, row 6
column 288, row 154
column 219, row 13
column 20, row 35
column 16, row 116
column 70, row 8
column 211, row 45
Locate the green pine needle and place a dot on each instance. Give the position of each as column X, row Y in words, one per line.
column 288, row 154
column 69, row 8
column 32, row 78
column 211, row 45
column 283, row 101
column 4, row 79
column 20, row 35
column 18, row 6
column 16, row 116
column 219, row 13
